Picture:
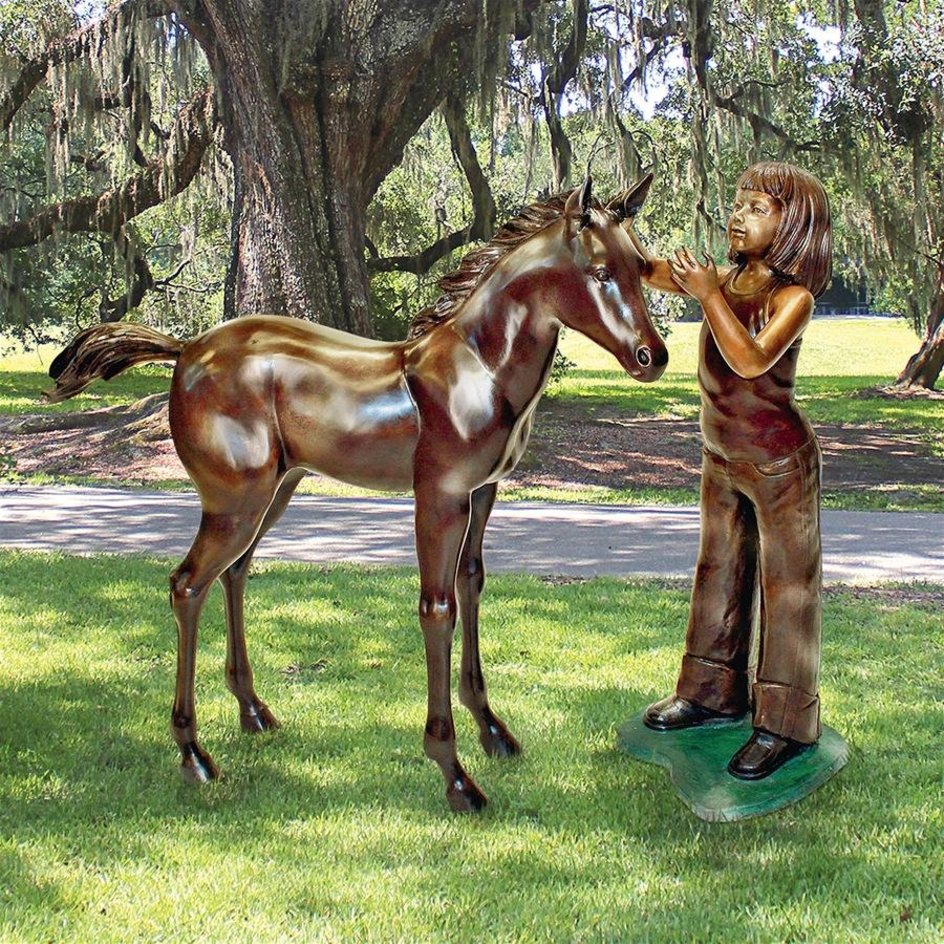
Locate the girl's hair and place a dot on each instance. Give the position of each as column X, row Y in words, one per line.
column 802, row 250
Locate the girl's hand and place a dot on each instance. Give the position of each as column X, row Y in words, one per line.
column 699, row 281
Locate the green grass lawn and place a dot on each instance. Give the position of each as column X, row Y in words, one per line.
column 831, row 347
column 335, row 828
column 848, row 354
column 23, row 378
column 841, row 362
column 841, row 359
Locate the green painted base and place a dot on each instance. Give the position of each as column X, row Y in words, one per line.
column 698, row 757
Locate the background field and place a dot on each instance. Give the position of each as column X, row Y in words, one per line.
column 832, row 347
column 871, row 351
column 841, row 362
column 599, row 436
column 335, row 828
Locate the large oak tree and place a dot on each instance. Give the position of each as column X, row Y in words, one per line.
column 314, row 102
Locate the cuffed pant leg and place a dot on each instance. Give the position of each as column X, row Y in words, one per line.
column 717, row 644
column 787, row 711
column 785, row 693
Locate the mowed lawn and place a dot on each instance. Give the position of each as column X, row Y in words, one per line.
column 840, row 360
column 335, row 828
column 853, row 353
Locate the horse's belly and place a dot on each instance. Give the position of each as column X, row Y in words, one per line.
column 365, row 438
column 386, row 465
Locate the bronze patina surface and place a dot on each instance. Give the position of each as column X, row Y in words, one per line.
column 759, row 560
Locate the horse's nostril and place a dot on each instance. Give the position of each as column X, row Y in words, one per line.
column 644, row 356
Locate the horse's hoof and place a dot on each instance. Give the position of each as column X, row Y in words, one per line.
column 464, row 796
column 498, row 741
column 196, row 766
column 258, row 719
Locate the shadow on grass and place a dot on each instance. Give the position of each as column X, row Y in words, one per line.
column 576, row 831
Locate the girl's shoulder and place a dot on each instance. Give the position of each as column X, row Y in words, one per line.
column 791, row 294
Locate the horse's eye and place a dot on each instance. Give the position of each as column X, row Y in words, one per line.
column 602, row 274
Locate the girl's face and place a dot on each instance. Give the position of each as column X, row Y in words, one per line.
column 755, row 219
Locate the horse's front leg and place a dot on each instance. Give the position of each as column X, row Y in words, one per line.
column 441, row 524
column 495, row 737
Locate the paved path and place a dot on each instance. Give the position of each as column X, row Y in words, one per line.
column 579, row 540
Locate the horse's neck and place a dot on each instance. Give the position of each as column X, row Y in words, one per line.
column 510, row 320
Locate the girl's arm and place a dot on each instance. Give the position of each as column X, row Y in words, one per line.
column 791, row 308
column 656, row 272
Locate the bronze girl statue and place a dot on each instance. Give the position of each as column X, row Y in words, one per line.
column 760, row 540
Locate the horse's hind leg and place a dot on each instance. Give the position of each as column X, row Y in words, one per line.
column 495, row 737
column 221, row 539
column 254, row 714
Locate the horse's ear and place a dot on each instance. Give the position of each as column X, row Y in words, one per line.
column 577, row 207
column 625, row 205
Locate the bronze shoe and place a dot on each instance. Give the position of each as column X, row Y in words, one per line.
column 763, row 754
column 674, row 713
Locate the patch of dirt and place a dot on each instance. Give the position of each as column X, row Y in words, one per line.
column 120, row 444
column 572, row 446
column 931, row 597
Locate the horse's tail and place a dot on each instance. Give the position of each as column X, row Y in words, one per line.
column 106, row 350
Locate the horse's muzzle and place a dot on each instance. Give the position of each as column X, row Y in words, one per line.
column 650, row 362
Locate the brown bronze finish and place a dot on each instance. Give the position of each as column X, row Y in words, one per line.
column 760, row 551
column 256, row 402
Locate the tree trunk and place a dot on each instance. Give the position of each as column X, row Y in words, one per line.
column 317, row 102
column 924, row 367
column 297, row 235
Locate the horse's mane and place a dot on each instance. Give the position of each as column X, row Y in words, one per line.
column 457, row 286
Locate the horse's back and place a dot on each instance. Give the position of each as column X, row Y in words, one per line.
column 266, row 389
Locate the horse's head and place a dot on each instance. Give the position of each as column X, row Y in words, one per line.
column 606, row 303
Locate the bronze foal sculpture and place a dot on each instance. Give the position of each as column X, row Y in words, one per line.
column 256, row 402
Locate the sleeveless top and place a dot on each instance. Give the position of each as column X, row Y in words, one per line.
column 753, row 420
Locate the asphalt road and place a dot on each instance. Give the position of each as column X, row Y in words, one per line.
column 528, row 537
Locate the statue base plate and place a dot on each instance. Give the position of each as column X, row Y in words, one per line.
column 697, row 759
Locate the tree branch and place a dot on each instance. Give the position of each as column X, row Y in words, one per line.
column 552, row 91
column 91, row 162
column 484, row 209
column 759, row 122
column 87, row 41
column 566, row 68
column 423, row 261
column 110, row 310
column 657, row 48
column 107, row 212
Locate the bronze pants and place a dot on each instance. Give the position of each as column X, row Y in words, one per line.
column 760, row 545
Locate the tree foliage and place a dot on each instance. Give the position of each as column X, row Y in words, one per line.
column 100, row 169
column 183, row 154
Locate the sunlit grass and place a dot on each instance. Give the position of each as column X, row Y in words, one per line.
column 842, row 359
column 832, row 347
column 21, row 391
column 334, row 828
